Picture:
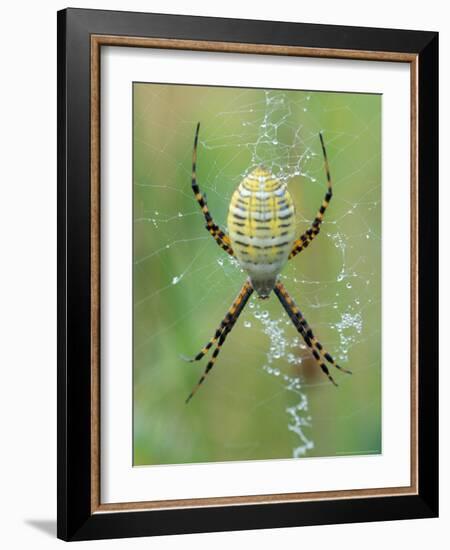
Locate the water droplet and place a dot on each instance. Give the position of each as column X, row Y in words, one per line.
column 177, row 279
column 349, row 285
column 304, row 109
column 180, row 215
column 276, row 372
column 274, row 142
column 264, row 314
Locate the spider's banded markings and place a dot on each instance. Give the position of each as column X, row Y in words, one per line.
column 319, row 352
column 220, row 237
column 311, row 233
column 261, row 227
column 222, row 332
column 261, row 237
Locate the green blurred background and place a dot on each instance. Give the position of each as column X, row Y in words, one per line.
column 266, row 397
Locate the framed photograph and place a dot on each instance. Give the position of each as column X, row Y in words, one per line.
column 247, row 254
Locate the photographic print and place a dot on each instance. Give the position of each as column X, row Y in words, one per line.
column 247, row 289
column 256, row 274
column 245, row 319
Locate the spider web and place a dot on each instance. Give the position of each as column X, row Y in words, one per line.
column 186, row 282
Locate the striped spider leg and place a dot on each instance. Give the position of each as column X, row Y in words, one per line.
column 296, row 316
column 220, row 236
column 319, row 352
column 303, row 241
column 221, row 333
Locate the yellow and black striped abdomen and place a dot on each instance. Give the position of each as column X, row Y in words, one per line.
column 261, row 226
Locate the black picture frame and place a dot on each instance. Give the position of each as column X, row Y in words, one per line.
column 76, row 520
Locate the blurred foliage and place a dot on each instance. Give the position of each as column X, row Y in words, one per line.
column 184, row 283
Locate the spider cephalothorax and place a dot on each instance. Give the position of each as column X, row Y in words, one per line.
column 261, row 236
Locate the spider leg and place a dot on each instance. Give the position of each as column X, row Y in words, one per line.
column 310, row 234
column 300, row 319
column 233, row 313
column 220, row 237
column 323, row 352
column 223, row 325
column 208, row 345
column 304, row 329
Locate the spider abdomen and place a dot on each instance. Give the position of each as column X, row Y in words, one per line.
column 261, row 225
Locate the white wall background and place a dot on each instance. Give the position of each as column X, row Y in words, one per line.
column 28, row 273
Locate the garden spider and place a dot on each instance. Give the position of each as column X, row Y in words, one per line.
column 261, row 236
